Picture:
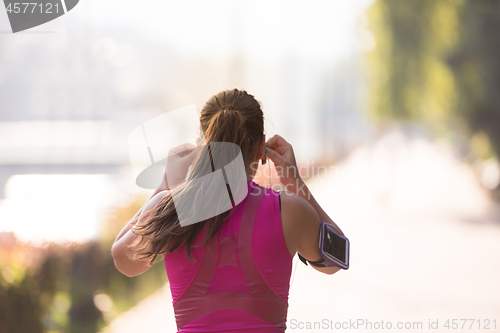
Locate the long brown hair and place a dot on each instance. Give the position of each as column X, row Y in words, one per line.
column 229, row 116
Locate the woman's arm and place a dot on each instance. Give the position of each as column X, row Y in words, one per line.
column 133, row 220
column 178, row 160
column 300, row 207
column 126, row 237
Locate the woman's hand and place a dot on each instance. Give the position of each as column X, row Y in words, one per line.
column 281, row 153
column 178, row 161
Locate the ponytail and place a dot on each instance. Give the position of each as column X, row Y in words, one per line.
column 232, row 116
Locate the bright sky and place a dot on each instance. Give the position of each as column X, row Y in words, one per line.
column 317, row 32
column 261, row 28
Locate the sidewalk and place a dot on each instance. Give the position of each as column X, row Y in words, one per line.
column 155, row 314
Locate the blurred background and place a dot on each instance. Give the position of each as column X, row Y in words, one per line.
column 392, row 108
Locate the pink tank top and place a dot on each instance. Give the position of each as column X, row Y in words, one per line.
column 240, row 279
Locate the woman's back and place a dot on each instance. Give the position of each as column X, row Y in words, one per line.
column 240, row 278
column 239, row 281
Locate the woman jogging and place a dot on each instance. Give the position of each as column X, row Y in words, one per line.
column 231, row 272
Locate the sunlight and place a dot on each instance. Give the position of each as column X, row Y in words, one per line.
column 55, row 207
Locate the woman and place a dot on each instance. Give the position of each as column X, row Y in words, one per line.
column 230, row 272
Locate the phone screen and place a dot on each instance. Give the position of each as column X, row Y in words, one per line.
column 334, row 245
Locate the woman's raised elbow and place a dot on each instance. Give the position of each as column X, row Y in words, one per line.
column 125, row 270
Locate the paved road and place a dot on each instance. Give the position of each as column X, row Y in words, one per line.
column 425, row 247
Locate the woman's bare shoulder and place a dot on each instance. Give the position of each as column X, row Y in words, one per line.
column 295, row 205
column 295, row 210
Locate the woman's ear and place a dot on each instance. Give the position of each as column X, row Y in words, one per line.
column 261, row 147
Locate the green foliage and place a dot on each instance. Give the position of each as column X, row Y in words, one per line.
column 19, row 310
column 410, row 76
column 436, row 62
column 477, row 69
column 53, row 288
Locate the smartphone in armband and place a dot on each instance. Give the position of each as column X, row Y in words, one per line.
column 334, row 249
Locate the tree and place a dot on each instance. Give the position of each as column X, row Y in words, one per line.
column 436, row 63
